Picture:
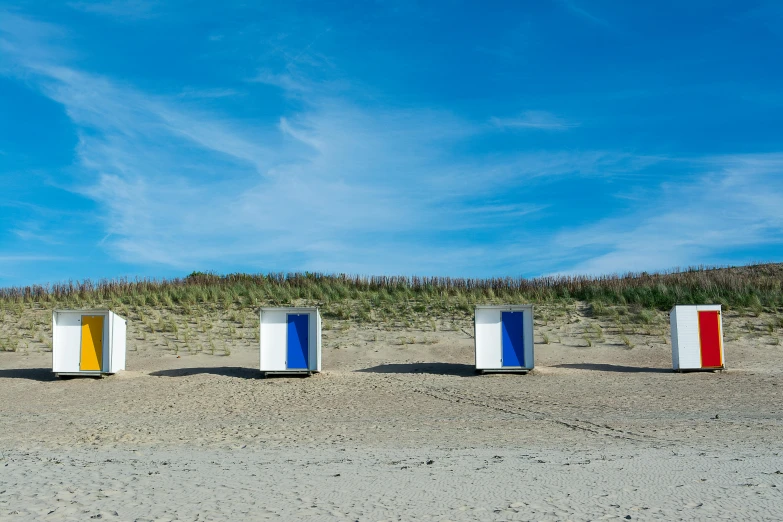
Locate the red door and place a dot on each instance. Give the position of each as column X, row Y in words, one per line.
column 709, row 335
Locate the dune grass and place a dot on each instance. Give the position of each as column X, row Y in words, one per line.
column 204, row 311
column 352, row 296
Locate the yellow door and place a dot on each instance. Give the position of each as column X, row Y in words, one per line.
column 92, row 343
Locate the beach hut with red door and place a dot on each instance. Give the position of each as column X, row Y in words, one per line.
column 697, row 337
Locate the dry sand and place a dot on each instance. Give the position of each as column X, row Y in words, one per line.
column 396, row 431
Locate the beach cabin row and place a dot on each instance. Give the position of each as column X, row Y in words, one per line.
column 92, row 342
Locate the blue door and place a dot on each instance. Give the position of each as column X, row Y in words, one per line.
column 298, row 345
column 513, row 343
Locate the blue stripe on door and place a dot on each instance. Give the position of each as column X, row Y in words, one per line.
column 513, row 343
column 298, row 345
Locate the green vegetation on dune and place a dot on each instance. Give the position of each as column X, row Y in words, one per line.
column 346, row 296
column 209, row 313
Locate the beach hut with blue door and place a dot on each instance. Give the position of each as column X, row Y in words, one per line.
column 290, row 340
column 504, row 338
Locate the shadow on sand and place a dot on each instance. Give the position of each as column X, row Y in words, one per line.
column 600, row 367
column 32, row 374
column 462, row 370
column 227, row 371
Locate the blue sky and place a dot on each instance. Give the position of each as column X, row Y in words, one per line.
column 143, row 138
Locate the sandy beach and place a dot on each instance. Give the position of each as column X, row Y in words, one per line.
column 398, row 431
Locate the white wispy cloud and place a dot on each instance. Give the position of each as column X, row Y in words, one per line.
column 733, row 204
column 34, row 232
column 541, row 120
column 342, row 186
column 207, row 93
column 29, row 257
column 580, row 11
column 20, row 36
column 184, row 187
column 285, row 81
column 13, row 266
column 120, row 9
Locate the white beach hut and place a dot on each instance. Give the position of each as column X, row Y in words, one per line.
column 87, row 342
column 504, row 338
column 290, row 340
column 697, row 337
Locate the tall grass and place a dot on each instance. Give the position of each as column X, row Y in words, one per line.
column 359, row 297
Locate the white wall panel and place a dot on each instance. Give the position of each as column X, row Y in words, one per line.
column 118, row 343
column 108, row 339
column 529, row 338
column 67, row 339
column 688, row 345
column 318, row 341
column 675, row 339
column 488, row 342
column 274, row 333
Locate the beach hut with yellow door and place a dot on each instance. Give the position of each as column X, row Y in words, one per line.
column 87, row 342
